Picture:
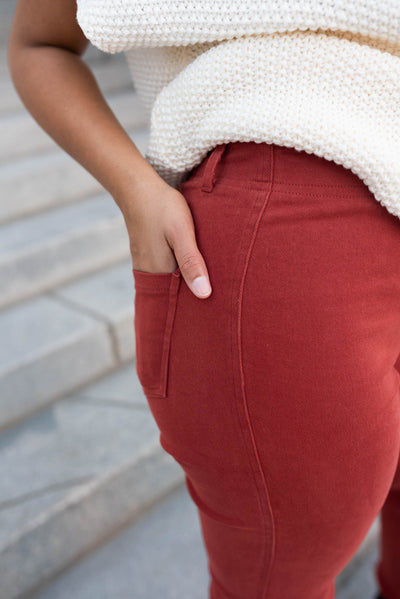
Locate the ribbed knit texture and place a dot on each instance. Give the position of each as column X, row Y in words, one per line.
column 318, row 75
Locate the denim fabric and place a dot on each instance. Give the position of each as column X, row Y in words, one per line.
column 279, row 394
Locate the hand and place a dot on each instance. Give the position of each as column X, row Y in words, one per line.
column 162, row 236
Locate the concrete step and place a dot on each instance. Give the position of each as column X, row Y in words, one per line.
column 361, row 582
column 31, row 185
column 21, row 135
column 57, row 342
column 357, row 579
column 159, row 556
column 162, row 555
column 107, row 295
column 45, row 250
column 34, row 184
column 73, row 475
column 7, row 8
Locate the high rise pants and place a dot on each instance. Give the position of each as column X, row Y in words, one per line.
column 279, row 394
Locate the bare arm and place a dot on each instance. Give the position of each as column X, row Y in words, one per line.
column 60, row 91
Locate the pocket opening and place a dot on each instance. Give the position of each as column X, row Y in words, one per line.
column 155, row 307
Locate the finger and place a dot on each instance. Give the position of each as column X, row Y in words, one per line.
column 190, row 261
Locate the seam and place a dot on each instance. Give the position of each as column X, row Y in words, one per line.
column 301, row 185
column 318, row 193
column 210, row 513
column 352, row 191
column 241, row 426
column 238, row 182
column 168, row 330
column 219, row 586
column 243, row 391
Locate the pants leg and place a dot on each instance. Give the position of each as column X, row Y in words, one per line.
column 282, row 398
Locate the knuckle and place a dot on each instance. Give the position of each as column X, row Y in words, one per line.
column 179, row 229
column 188, row 262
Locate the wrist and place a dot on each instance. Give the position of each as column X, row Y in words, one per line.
column 136, row 186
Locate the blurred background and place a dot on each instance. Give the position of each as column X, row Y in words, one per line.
column 90, row 504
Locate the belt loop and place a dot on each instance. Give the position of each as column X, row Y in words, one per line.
column 209, row 177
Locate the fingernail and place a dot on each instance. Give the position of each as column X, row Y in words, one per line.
column 201, row 286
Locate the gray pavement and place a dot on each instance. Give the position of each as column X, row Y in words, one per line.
column 74, row 473
column 160, row 556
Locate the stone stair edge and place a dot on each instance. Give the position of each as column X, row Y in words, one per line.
column 103, row 301
column 25, row 408
column 22, row 136
column 76, row 495
column 152, row 469
column 97, row 193
column 78, row 387
column 52, row 151
column 57, row 344
column 50, row 179
column 41, row 253
column 101, row 198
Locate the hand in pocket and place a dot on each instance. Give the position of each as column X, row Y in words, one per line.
column 162, row 235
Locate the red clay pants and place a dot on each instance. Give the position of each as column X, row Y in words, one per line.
column 279, row 394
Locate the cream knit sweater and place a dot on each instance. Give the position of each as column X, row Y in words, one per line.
column 318, row 75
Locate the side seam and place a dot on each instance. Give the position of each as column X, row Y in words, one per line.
column 270, row 158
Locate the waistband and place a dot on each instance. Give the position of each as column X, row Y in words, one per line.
column 251, row 162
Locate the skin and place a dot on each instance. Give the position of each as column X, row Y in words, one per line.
column 45, row 60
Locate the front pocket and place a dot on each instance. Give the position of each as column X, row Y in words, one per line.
column 155, row 304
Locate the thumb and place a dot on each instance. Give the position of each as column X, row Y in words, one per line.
column 191, row 263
